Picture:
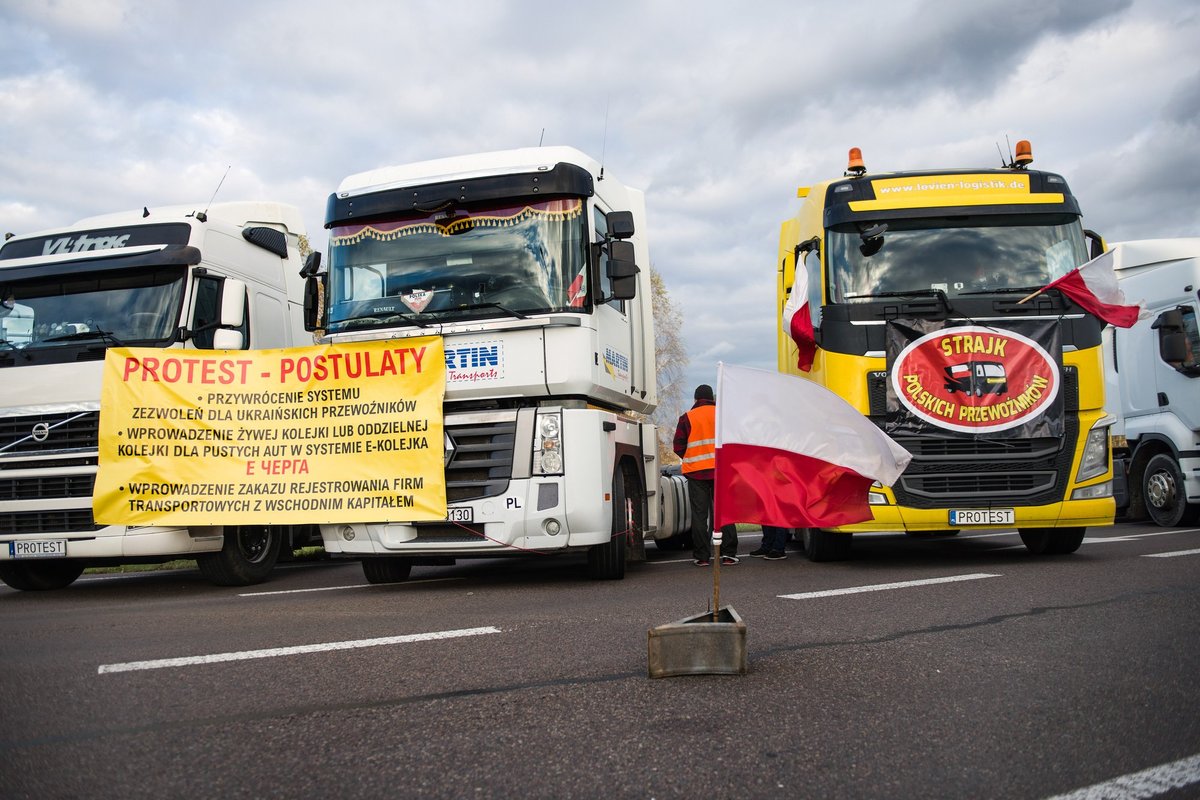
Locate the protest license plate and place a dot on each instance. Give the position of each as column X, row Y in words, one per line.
column 460, row 514
column 38, row 548
column 962, row 517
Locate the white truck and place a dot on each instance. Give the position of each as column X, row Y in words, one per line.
column 526, row 262
column 1152, row 373
column 178, row 277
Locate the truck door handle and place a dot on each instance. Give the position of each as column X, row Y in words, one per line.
column 1162, row 399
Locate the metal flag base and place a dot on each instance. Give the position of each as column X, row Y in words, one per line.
column 699, row 645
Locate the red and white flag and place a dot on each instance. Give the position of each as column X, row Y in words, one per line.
column 793, row 454
column 1094, row 288
column 798, row 324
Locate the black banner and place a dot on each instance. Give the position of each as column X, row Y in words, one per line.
column 974, row 380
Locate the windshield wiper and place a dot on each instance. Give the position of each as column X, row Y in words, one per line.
column 938, row 293
column 1004, row 290
column 477, row 306
column 106, row 336
column 363, row 320
column 20, row 350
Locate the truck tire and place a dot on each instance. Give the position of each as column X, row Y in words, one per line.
column 387, row 569
column 822, row 545
column 1164, row 493
column 1051, row 541
column 40, row 576
column 248, row 555
column 606, row 562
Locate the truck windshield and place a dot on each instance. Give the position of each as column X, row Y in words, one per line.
column 510, row 257
column 967, row 255
column 129, row 305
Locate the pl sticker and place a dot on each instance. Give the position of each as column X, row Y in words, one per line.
column 975, row 379
column 417, row 299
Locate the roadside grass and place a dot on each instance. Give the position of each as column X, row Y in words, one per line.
column 304, row 554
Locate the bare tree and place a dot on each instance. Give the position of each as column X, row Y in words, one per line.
column 672, row 360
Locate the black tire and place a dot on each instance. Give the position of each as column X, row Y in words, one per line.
column 1165, row 494
column 248, row 555
column 822, row 545
column 606, row 562
column 40, row 576
column 1052, row 541
column 388, row 569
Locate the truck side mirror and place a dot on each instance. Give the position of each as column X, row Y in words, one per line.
column 1173, row 347
column 622, row 270
column 312, row 264
column 233, row 303
column 1095, row 244
column 314, row 290
column 620, row 224
column 226, row 339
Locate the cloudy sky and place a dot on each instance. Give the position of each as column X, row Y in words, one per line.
column 718, row 110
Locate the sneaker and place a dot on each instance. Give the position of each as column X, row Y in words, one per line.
column 701, row 562
column 761, row 552
column 775, row 556
column 728, row 561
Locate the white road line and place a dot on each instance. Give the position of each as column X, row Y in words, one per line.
column 1172, row 554
column 1138, row 785
column 1133, row 537
column 216, row 658
column 351, row 586
column 885, row 586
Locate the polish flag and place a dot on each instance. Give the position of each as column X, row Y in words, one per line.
column 1094, row 287
column 798, row 324
column 793, row 454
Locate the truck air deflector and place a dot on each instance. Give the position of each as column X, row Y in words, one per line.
column 563, row 179
column 171, row 255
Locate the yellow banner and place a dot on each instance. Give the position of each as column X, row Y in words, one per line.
column 932, row 191
column 325, row 434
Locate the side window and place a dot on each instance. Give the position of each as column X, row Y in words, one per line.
column 206, row 312
column 1191, row 332
column 600, row 220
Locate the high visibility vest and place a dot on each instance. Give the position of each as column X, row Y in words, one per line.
column 701, row 450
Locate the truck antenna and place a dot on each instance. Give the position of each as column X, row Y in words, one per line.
column 1001, row 152
column 541, row 137
column 604, row 139
column 203, row 215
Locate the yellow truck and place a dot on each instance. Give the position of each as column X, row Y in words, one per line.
column 917, row 286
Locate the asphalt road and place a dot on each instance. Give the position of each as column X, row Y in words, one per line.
column 988, row 673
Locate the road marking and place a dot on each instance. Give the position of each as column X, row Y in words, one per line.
column 216, row 658
column 1137, row 785
column 351, row 586
column 879, row 587
column 1133, row 537
column 1171, row 555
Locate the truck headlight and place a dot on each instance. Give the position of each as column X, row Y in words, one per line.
column 1095, row 455
column 547, row 444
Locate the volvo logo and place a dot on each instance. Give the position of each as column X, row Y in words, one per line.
column 41, row 432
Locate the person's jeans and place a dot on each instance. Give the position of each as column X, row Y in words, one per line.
column 774, row 539
column 700, row 498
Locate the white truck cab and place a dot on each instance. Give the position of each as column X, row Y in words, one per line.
column 178, row 277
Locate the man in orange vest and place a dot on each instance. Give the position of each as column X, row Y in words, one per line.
column 696, row 443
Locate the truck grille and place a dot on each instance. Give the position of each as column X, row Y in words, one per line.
column 67, row 431
column 1010, row 472
column 47, row 487
column 73, row 520
column 481, row 464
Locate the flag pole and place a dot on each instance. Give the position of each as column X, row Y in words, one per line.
column 715, row 544
column 716, row 551
column 1029, row 297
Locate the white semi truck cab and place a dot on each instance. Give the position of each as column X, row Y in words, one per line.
column 526, row 262
column 178, row 277
column 1152, row 373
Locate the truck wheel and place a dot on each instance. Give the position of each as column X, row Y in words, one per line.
column 387, row 569
column 1164, row 493
column 606, row 562
column 1052, row 541
column 248, row 555
column 822, row 545
column 42, row 576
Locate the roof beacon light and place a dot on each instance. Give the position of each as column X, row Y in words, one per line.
column 855, row 165
column 1024, row 154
